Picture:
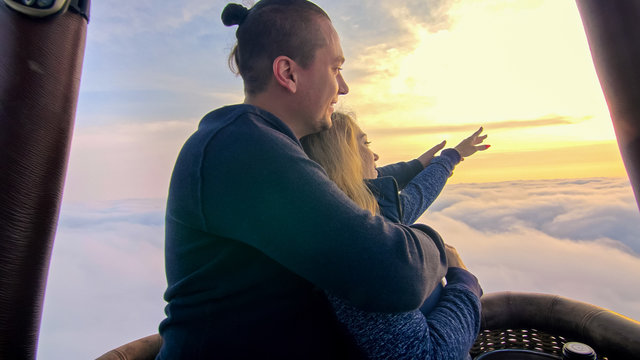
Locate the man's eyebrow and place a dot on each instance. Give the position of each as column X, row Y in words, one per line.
column 340, row 59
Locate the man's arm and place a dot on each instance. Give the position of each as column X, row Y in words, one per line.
column 445, row 333
column 265, row 192
column 455, row 322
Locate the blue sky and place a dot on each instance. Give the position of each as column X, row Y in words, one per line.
column 419, row 72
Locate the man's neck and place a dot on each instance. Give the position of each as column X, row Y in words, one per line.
column 275, row 104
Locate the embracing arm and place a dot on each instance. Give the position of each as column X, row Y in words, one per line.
column 446, row 333
column 292, row 212
column 455, row 323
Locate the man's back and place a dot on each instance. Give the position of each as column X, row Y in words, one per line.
column 226, row 298
column 253, row 226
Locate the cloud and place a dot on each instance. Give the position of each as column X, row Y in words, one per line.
column 492, row 64
column 498, row 125
column 527, row 260
column 101, row 216
column 575, row 238
column 368, row 47
column 121, row 18
column 433, row 15
column 391, row 18
column 600, row 209
column 106, row 278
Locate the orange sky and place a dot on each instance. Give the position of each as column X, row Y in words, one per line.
column 521, row 69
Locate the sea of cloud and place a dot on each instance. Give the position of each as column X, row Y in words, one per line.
column 575, row 238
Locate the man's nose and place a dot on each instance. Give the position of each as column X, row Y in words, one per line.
column 343, row 88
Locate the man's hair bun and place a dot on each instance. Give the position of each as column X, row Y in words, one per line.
column 234, row 14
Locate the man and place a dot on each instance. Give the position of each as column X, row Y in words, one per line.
column 254, row 228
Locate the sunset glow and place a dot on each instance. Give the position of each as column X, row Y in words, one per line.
column 520, row 69
column 551, row 195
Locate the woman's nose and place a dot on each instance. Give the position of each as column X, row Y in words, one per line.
column 375, row 157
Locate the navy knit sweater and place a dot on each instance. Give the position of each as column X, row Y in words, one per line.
column 448, row 327
column 254, row 229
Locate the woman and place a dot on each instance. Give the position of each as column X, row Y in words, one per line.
column 447, row 324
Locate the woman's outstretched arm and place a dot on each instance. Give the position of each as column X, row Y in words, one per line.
column 425, row 187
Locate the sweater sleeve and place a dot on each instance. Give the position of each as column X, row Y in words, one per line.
column 267, row 193
column 447, row 333
column 459, row 305
column 423, row 189
column 403, row 172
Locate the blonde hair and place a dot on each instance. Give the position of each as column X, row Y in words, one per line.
column 336, row 150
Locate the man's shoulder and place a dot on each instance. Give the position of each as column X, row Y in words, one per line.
column 242, row 133
column 244, row 120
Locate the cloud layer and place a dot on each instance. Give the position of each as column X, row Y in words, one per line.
column 106, row 278
column 576, row 238
column 154, row 68
column 583, row 210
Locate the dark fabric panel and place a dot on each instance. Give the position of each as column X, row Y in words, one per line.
column 40, row 68
column 613, row 32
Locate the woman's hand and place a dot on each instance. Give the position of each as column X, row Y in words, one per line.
column 470, row 145
column 426, row 158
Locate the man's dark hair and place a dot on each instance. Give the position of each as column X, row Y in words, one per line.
column 270, row 29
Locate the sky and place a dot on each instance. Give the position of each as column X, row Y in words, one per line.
column 419, row 72
column 547, row 198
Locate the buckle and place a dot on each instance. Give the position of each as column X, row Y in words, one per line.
column 45, row 8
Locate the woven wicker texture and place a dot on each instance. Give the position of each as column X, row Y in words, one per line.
column 527, row 339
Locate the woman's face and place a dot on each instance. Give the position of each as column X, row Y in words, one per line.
column 369, row 158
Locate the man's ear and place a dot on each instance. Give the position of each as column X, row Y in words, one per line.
column 284, row 70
